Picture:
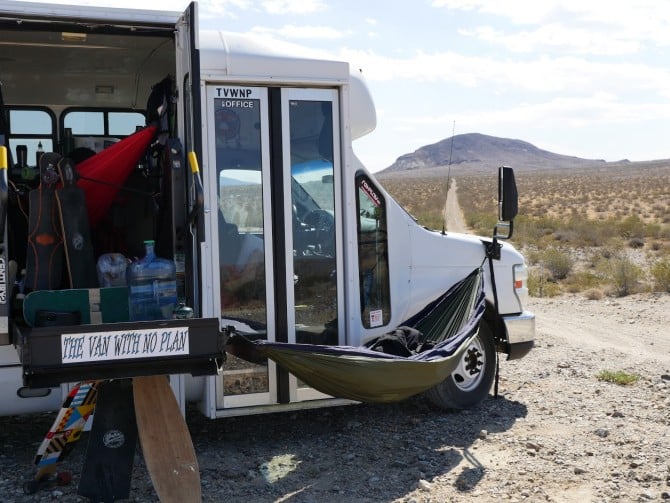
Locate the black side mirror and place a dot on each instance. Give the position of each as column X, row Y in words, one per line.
column 508, row 202
column 508, row 197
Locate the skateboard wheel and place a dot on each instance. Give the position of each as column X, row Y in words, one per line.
column 31, row 487
column 64, row 478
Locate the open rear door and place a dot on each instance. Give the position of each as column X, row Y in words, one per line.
column 190, row 133
column 188, row 78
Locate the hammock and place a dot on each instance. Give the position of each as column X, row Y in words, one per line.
column 433, row 340
column 104, row 173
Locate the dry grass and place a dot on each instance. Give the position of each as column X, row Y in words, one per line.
column 584, row 230
column 422, row 197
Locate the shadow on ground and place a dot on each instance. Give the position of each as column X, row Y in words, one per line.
column 362, row 453
column 350, row 453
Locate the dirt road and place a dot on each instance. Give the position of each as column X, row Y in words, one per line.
column 452, row 210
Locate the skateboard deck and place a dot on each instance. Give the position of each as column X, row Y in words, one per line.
column 108, row 465
column 166, row 442
column 71, row 205
column 94, row 305
column 44, row 255
column 6, row 280
column 66, row 429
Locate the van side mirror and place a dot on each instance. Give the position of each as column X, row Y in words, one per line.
column 508, row 201
column 508, row 197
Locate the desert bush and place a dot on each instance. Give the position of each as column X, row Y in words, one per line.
column 539, row 286
column 624, row 276
column 531, row 231
column 583, row 280
column 482, row 223
column 593, row 294
column 559, row 263
column 660, row 271
column 590, row 232
column 618, row 377
column 534, row 283
column 631, row 227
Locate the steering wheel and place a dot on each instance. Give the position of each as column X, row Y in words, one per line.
column 323, row 223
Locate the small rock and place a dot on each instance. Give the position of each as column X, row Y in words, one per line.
column 602, row 432
column 533, row 446
column 424, row 485
column 578, row 470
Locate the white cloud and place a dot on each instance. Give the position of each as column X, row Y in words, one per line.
column 302, row 32
column 518, row 11
column 626, row 23
column 541, row 75
column 293, row 6
column 556, row 38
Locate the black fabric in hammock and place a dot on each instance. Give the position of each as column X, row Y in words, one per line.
column 445, row 329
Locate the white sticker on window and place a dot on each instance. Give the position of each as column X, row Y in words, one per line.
column 376, row 318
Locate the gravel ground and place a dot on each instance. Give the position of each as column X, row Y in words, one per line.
column 555, row 433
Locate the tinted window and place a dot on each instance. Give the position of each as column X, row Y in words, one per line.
column 372, row 255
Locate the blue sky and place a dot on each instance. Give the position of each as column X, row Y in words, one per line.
column 589, row 78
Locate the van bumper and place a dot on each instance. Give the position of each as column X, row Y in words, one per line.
column 520, row 330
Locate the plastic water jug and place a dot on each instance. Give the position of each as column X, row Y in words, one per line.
column 152, row 286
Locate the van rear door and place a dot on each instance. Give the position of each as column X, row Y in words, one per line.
column 188, row 82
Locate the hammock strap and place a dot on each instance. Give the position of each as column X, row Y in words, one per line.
column 493, row 252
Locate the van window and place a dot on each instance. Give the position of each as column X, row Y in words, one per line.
column 102, row 122
column 375, row 292
column 30, row 128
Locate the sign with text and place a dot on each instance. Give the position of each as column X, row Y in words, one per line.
column 124, row 344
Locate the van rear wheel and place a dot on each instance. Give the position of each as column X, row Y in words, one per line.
column 470, row 383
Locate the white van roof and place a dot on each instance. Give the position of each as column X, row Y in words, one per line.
column 82, row 12
column 239, row 54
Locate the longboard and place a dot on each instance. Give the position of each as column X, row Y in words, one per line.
column 65, row 430
column 6, row 280
column 44, row 255
column 108, row 465
column 71, row 205
column 166, row 442
column 94, row 305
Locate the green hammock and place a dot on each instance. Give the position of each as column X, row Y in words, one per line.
column 432, row 341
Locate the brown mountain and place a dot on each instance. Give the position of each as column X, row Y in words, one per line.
column 475, row 151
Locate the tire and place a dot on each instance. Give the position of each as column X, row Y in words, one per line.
column 464, row 389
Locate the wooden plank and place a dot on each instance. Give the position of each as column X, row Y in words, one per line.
column 166, row 442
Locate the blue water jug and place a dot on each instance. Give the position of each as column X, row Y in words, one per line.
column 152, row 285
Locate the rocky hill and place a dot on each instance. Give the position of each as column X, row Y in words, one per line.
column 476, row 151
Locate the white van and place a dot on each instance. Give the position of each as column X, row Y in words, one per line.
column 272, row 236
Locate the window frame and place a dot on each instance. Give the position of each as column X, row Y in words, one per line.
column 384, row 297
